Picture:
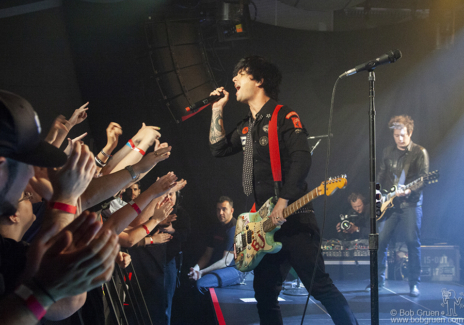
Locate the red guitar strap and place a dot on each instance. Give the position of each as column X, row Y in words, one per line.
column 275, row 151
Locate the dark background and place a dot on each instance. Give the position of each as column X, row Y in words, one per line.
column 61, row 57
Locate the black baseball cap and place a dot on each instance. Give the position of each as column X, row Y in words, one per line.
column 20, row 134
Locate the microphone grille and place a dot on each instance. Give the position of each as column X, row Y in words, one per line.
column 394, row 55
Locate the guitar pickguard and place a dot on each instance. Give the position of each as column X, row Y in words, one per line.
column 251, row 242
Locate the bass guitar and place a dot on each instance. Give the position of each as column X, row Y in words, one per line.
column 254, row 232
column 387, row 199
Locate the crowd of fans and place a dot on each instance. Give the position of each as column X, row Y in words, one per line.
column 65, row 214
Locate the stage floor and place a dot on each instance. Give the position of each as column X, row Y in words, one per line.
column 439, row 303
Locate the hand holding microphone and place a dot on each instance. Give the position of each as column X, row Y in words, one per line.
column 218, row 98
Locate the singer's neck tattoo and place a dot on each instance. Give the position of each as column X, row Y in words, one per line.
column 216, row 132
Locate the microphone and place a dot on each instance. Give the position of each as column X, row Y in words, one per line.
column 204, row 102
column 389, row 57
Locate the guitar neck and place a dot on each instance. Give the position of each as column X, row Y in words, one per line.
column 413, row 185
column 292, row 208
column 298, row 204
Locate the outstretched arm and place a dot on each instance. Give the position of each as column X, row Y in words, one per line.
column 124, row 216
column 103, row 187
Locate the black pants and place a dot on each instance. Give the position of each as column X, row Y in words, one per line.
column 300, row 240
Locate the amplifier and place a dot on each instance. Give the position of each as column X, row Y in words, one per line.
column 440, row 263
column 350, row 264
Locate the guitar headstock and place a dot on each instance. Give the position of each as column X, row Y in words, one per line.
column 333, row 184
column 432, row 177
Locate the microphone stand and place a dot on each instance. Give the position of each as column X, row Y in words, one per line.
column 373, row 236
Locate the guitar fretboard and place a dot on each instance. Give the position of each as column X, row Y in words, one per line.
column 292, row 208
column 411, row 186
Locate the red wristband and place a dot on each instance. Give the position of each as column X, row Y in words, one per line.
column 63, row 207
column 146, row 229
column 151, row 240
column 131, row 144
column 135, row 206
column 31, row 301
column 139, row 150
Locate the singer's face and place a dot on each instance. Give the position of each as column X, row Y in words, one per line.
column 245, row 85
column 402, row 138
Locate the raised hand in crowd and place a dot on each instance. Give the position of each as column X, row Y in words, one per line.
column 71, row 181
column 134, row 149
column 158, row 210
column 161, row 237
column 78, row 116
column 59, row 125
column 179, row 186
column 71, row 143
column 150, row 160
column 103, row 187
column 113, row 131
column 146, row 134
column 124, row 216
column 123, row 259
column 162, row 210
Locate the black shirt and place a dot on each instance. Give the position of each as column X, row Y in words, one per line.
column 295, row 154
column 222, row 239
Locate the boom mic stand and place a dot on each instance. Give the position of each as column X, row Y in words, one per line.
column 373, row 236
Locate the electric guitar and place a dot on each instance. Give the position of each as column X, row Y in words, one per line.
column 254, row 232
column 387, row 199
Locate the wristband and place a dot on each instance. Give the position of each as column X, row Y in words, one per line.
column 131, row 171
column 139, row 150
column 146, row 229
column 151, row 240
column 130, row 144
column 137, row 209
column 63, row 207
column 105, row 154
column 31, row 301
column 99, row 163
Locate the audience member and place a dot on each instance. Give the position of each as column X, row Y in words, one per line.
column 60, row 266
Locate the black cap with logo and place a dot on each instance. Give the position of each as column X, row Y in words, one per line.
column 20, row 134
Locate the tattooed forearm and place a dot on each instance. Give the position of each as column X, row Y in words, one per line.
column 216, row 132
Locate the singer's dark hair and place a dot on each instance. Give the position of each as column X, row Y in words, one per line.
column 261, row 69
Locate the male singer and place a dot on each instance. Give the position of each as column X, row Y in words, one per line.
column 257, row 82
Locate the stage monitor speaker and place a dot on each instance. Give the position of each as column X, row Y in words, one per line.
column 179, row 63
